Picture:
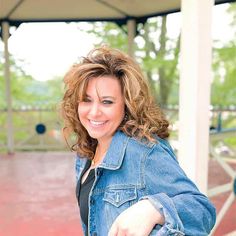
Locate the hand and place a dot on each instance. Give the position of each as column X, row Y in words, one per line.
column 138, row 220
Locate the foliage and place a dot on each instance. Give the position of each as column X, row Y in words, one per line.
column 224, row 61
column 159, row 59
column 224, row 84
column 108, row 33
column 232, row 12
column 27, row 92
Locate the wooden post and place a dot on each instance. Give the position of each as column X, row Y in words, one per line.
column 131, row 25
column 10, row 139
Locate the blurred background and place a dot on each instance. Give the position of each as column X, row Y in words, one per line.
column 41, row 53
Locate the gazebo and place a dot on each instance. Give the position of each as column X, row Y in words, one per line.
column 195, row 68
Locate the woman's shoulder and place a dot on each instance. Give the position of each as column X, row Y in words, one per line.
column 163, row 149
column 157, row 142
column 121, row 136
column 158, row 146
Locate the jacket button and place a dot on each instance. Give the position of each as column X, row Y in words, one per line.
column 92, row 201
column 99, row 172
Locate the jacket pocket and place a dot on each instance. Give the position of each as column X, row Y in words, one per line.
column 118, row 195
column 117, row 198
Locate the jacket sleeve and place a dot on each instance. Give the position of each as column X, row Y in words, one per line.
column 175, row 196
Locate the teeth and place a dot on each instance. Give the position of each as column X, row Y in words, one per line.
column 93, row 122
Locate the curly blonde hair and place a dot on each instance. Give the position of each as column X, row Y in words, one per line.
column 143, row 119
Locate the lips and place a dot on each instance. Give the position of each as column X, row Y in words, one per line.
column 97, row 123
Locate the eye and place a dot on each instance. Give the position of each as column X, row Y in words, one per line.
column 86, row 99
column 107, row 102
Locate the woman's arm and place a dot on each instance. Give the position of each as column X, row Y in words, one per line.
column 139, row 219
column 172, row 202
column 175, row 196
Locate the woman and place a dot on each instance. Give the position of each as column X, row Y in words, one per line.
column 129, row 181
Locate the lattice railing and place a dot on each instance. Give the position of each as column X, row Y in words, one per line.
column 34, row 129
column 219, row 136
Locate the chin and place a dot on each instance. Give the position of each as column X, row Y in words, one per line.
column 95, row 136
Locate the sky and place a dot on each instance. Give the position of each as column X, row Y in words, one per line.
column 49, row 49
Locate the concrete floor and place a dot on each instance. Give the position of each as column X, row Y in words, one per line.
column 37, row 195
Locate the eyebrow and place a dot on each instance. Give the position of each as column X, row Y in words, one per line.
column 103, row 97
column 110, row 97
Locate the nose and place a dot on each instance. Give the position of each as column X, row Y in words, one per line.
column 95, row 110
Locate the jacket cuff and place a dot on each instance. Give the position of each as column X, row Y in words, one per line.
column 164, row 204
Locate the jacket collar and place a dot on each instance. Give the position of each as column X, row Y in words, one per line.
column 116, row 151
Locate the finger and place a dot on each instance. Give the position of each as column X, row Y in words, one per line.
column 121, row 233
column 113, row 230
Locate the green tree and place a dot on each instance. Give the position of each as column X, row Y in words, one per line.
column 108, row 33
column 224, row 83
column 19, row 82
column 26, row 91
column 160, row 59
column 224, row 61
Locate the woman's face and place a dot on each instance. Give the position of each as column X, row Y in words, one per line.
column 102, row 110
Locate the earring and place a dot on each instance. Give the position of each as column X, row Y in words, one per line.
column 126, row 117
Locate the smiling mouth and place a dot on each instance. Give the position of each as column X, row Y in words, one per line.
column 97, row 123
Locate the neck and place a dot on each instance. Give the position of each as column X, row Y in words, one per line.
column 103, row 146
column 99, row 155
column 101, row 150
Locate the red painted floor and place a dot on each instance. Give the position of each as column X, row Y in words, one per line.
column 217, row 176
column 37, row 195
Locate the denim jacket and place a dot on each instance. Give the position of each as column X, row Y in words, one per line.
column 132, row 171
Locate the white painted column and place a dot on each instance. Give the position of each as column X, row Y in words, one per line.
column 195, row 79
column 131, row 26
column 10, row 139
